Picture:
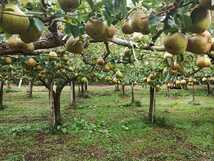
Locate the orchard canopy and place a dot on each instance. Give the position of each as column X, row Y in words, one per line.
column 128, row 42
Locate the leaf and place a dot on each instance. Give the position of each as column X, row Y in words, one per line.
column 171, row 25
column 38, row 24
column 91, row 3
column 186, row 22
column 134, row 1
column 114, row 11
column 75, row 30
column 154, row 22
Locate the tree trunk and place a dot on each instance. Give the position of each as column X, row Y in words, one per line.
column 168, row 92
column 82, row 90
column 117, row 87
column 72, row 94
column 133, row 98
column 1, row 94
column 20, row 83
column 123, row 90
column 8, row 85
column 86, row 87
column 30, row 89
column 193, row 93
column 54, row 98
column 152, row 105
column 208, row 88
column 79, row 90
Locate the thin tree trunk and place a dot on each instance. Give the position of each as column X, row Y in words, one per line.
column 79, row 90
column 193, row 93
column 133, row 97
column 8, row 85
column 208, row 88
column 86, row 87
column 55, row 107
column 20, row 83
column 117, row 87
column 72, row 94
column 1, row 94
column 152, row 105
column 30, row 89
column 82, row 89
column 168, row 92
column 123, row 90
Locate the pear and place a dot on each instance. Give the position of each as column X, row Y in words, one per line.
column 106, row 68
column 100, row 61
column 16, row 43
column 200, row 43
column 204, row 79
column 183, row 82
column 31, row 35
column 203, row 61
column 201, row 20
column 69, row 5
column 127, row 27
column 140, row 22
column 74, row 45
column 52, row 55
column 110, row 32
column 119, row 75
column 176, row 43
column 206, row 4
column 8, row 60
column 13, row 20
column 96, row 29
column 31, row 62
column 27, row 48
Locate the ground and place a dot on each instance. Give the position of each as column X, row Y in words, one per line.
column 105, row 127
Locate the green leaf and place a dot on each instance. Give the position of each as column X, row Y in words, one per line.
column 114, row 11
column 91, row 3
column 38, row 24
column 75, row 30
column 154, row 22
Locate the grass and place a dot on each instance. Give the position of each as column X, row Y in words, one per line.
column 106, row 127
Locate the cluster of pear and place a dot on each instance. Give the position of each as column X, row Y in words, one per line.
column 200, row 41
column 98, row 30
column 137, row 22
column 181, row 83
column 16, row 43
column 117, row 77
column 74, row 45
column 208, row 80
column 106, row 67
column 14, row 21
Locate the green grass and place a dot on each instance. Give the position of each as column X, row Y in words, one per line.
column 105, row 127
